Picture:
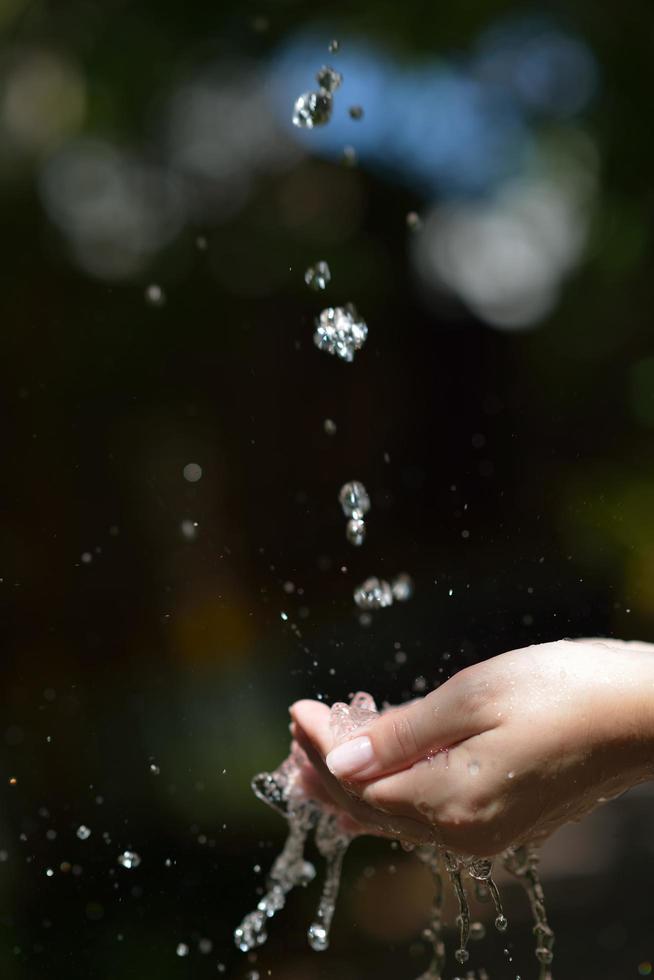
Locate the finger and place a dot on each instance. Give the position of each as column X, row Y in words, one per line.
column 458, row 710
column 374, row 821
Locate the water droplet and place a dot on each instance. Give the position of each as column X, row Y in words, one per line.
column 189, row 529
column 473, row 768
column 49, row 872
column 318, row 938
column 312, row 109
column 154, row 769
column 333, row 46
column 356, row 531
column 501, row 923
column 413, row 221
column 356, row 112
column 205, row 946
column 192, row 472
column 328, row 79
column 155, row 295
column 284, row 617
column 330, row 427
column 477, row 931
column 350, row 158
column 86, row 557
column 340, row 331
column 374, row 593
column 354, row 499
column 83, row 832
column 402, row 587
column 182, row 949
column 129, row 860
column 318, row 276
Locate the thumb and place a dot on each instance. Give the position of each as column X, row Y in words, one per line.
column 404, row 735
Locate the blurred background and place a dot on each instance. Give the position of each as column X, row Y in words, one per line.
column 174, row 570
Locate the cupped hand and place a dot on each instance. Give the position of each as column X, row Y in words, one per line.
column 502, row 753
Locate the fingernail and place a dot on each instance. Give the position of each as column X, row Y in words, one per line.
column 350, row 757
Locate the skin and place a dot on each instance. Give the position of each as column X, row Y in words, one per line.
column 502, row 753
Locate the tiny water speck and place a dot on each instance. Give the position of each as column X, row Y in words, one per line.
column 333, row 46
column 413, row 221
column 49, row 872
column 356, row 112
column 350, row 158
column 284, row 617
column 83, row 832
column 154, row 769
column 205, row 946
column 182, row 949
column 318, row 276
column 329, row 427
column 192, row 472
column 155, row 295
column 189, row 530
column 86, row 557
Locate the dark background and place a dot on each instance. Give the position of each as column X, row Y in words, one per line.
column 128, row 642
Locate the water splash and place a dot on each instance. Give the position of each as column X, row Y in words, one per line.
column 282, row 790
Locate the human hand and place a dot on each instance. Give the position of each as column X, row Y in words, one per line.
column 502, row 753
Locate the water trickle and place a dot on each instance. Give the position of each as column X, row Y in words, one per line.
column 434, row 931
column 318, row 276
column 453, row 866
column 340, row 331
column 332, row 843
column 523, row 863
column 312, row 109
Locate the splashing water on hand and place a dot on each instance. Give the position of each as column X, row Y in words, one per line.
column 282, row 790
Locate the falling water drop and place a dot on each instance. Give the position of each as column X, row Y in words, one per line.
column 340, row 331
column 318, row 276
column 328, row 79
column 312, row 109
